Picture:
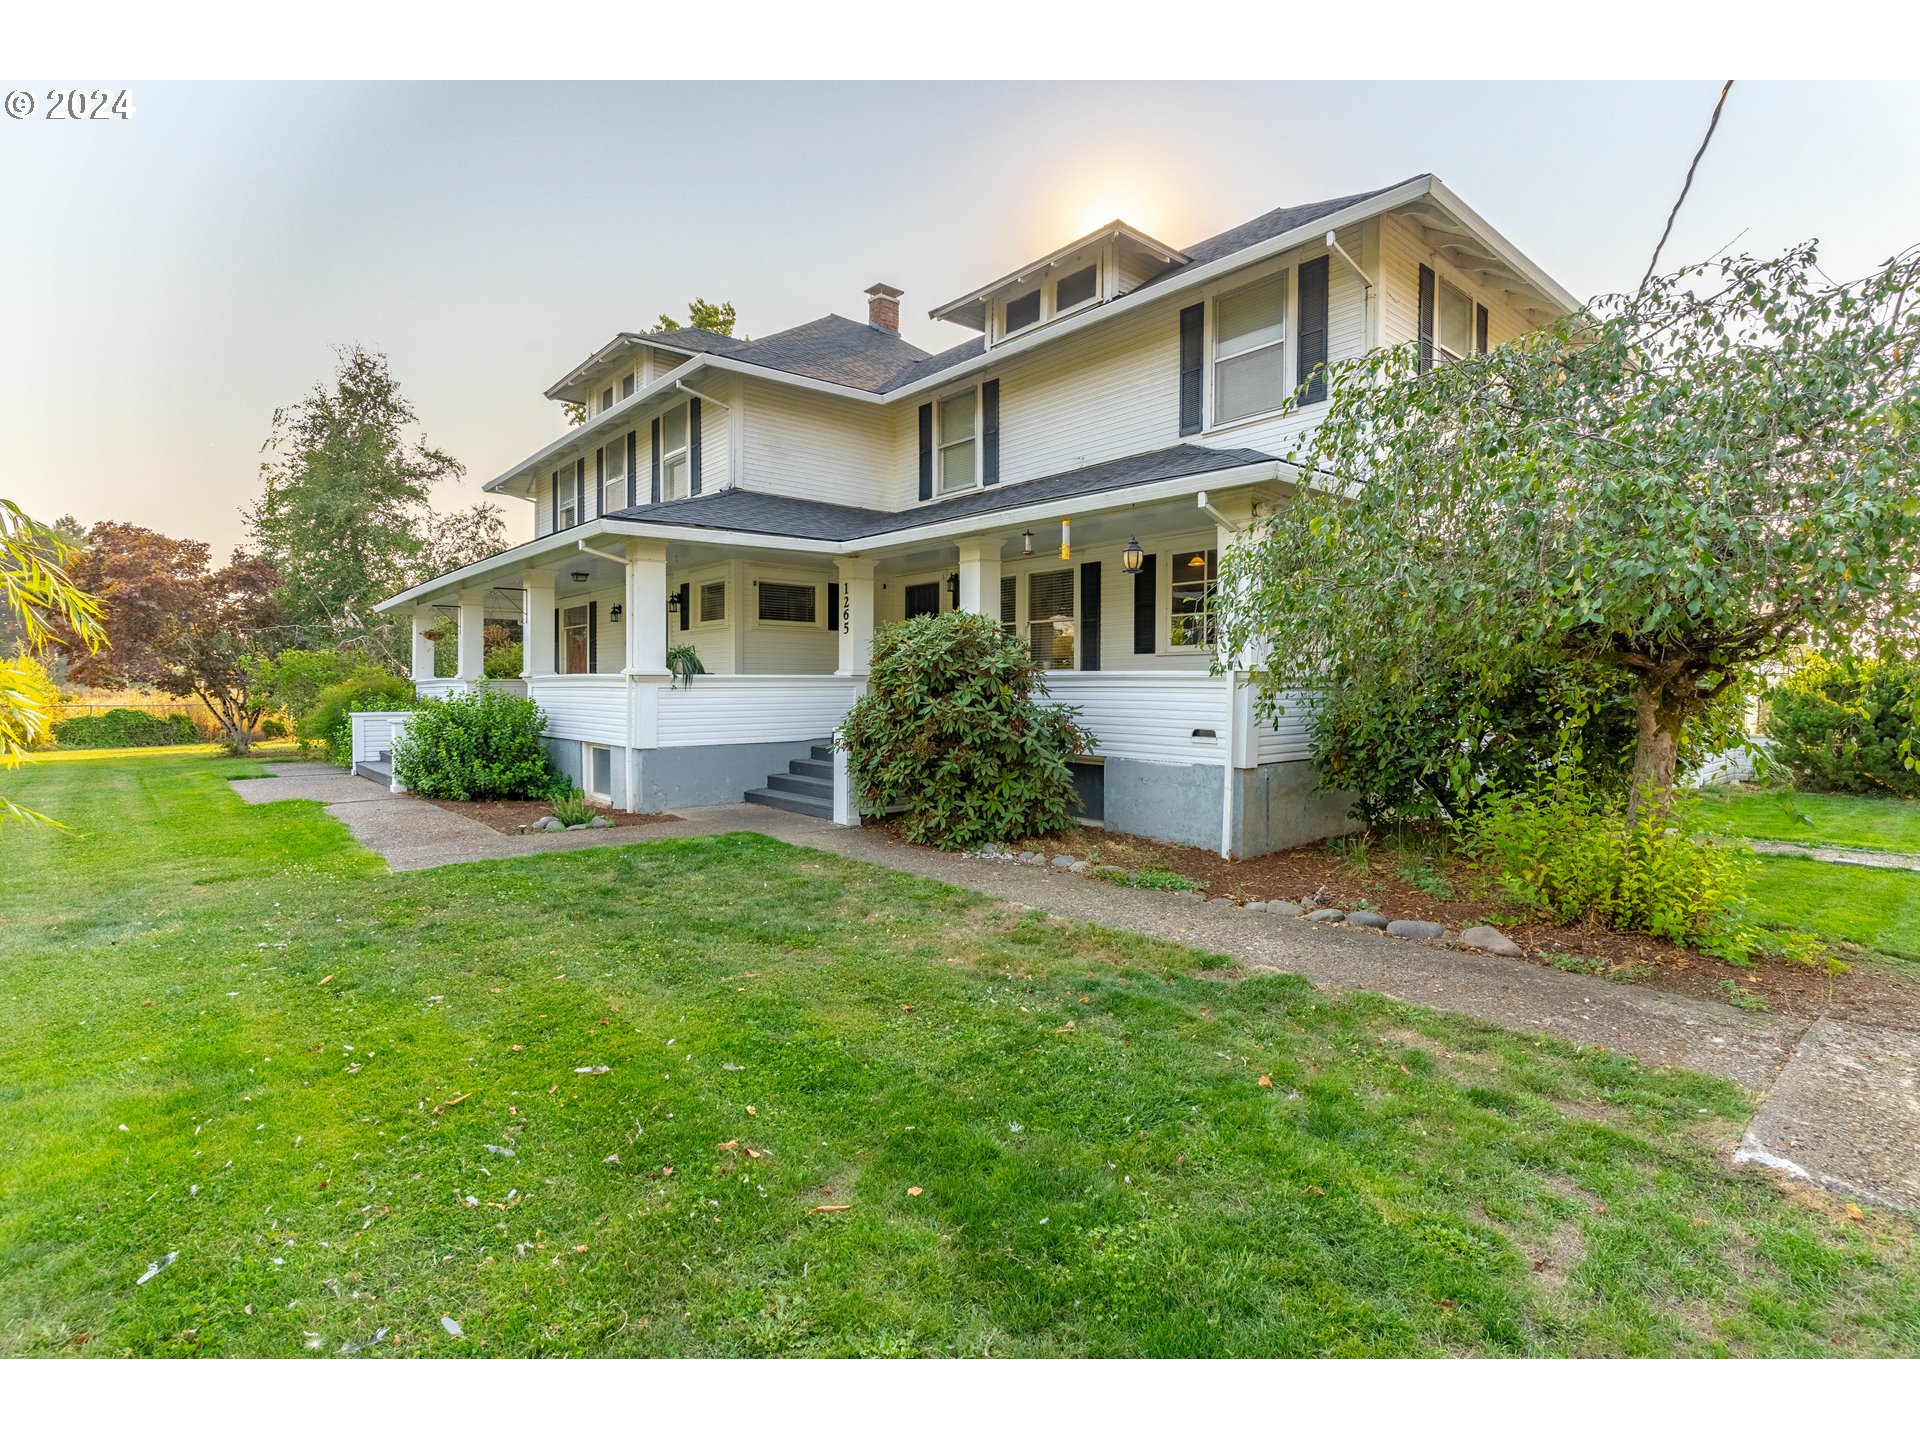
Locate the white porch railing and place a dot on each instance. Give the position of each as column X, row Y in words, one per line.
column 440, row 688
column 372, row 734
column 583, row 707
column 746, row 709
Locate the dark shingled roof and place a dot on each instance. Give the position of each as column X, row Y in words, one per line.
column 945, row 360
column 1265, row 227
column 698, row 342
column 757, row 513
column 835, row 349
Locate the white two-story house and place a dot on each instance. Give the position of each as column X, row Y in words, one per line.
column 1074, row 468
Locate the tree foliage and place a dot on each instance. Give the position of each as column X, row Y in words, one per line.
column 715, row 316
column 952, row 727
column 347, row 519
column 43, row 603
column 1674, row 484
column 179, row 625
column 1848, row 724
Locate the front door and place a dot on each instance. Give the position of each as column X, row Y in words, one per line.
column 923, row 599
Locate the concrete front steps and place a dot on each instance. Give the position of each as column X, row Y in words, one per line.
column 380, row 769
column 804, row 788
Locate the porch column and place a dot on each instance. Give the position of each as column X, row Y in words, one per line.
column 473, row 642
column 646, row 602
column 1239, row 510
column 422, row 647
column 855, row 619
column 980, row 577
column 536, row 624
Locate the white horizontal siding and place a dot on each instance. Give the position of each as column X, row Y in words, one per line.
column 748, row 709
column 1404, row 250
column 1290, row 736
column 583, row 707
column 1149, row 715
column 815, row 447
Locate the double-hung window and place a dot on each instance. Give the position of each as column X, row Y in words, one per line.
column 957, row 426
column 574, row 658
column 1250, row 350
column 1192, row 579
column 676, row 468
column 1452, row 324
column 1050, row 626
column 613, row 475
column 564, row 488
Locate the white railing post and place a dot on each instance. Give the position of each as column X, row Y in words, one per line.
column 846, row 810
column 396, row 728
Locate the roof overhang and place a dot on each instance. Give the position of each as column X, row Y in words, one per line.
column 550, row 549
column 573, row 385
column 971, row 309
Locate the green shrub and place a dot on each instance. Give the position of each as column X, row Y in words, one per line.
column 1430, row 744
column 483, row 744
column 297, row 677
column 1845, row 724
column 949, row 728
column 505, row 661
column 329, row 720
column 1566, row 854
column 124, row 729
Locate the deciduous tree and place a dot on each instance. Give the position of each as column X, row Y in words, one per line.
column 41, row 601
column 1678, row 483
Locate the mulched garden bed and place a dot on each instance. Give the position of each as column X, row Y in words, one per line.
column 1369, row 880
column 511, row 817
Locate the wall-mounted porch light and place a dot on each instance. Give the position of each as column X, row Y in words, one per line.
column 1131, row 557
column 1026, row 542
column 615, row 613
column 953, row 591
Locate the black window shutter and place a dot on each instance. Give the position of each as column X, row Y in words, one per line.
column 580, row 490
column 1311, row 373
column 633, row 467
column 990, row 433
column 593, row 637
column 1426, row 319
column 926, row 452
column 1480, row 329
column 553, row 517
column 656, row 460
column 1192, row 327
column 1146, row 607
column 686, row 604
column 693, row 447
column 833, row 605
column 600, row 479
column 559, row 660
column 1090, row 615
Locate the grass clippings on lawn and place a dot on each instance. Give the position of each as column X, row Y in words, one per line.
column 730, row 1097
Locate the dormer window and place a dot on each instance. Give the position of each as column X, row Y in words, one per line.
column 606, row 398
column 1076, row 289
column 1023, row 311
column 627, row 384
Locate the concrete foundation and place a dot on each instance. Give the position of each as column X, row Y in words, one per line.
column 688, row 775
column 1274, row 806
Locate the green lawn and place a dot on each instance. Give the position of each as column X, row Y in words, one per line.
column 227, row 1033
column 1879, row 909
column 1868, row 822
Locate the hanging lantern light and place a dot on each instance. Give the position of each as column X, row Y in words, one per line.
column 1131, row 557
column 1026, row 542
column 1066, row 539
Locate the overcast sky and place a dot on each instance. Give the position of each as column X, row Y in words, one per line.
column 168, row 280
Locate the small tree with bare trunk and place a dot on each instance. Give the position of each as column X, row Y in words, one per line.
column 1682, row 483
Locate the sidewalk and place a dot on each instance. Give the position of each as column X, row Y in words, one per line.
column 1840, row 1103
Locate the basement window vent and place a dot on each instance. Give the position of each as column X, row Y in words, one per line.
column 1205, row 735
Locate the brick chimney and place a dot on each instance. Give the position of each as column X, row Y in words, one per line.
column 883, row 308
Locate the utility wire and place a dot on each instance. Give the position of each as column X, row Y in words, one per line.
column 1674, row 213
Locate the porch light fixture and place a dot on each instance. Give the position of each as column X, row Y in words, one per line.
column 579, row 577
column 1131, row 557
column 1026, row 542
column 614, row 614
column 1066, row 539
column 953, row 590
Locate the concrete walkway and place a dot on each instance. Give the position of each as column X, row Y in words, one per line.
column 1840, row 1104
column 1838, row 855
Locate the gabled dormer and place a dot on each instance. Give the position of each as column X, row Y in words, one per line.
column 1090, row 271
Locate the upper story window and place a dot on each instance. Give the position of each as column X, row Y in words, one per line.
column 1023, row 310
column 606, row 398
column 1250, row 349
column 563, row 489
column 956, row 427
column 1452, row 324
column 613, row 475
column 676, row 465
column 628, row 383
column 1074, row 290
